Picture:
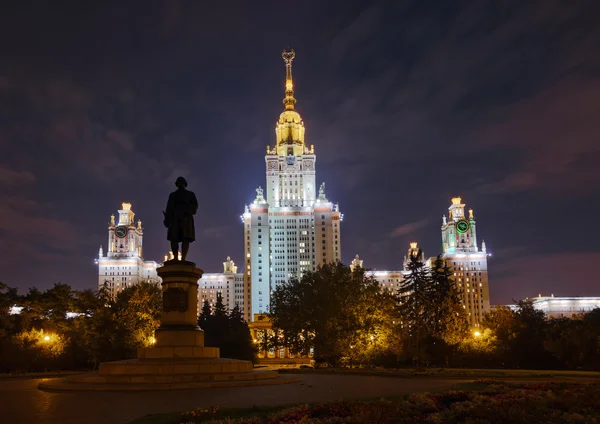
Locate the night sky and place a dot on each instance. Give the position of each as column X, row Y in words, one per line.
column 408, row 103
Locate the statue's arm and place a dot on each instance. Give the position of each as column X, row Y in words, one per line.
column 169, row 212
column 193, row 204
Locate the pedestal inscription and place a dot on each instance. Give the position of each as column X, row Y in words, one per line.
column 175, row 299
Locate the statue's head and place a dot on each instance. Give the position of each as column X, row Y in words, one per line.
column 181, row 182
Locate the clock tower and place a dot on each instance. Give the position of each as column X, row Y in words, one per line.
column 467, row 261
column 123, row 264
column 124, row 237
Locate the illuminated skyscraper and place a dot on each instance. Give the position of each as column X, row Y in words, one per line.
column 292, row 227
column 123, row 265
column 459, row 244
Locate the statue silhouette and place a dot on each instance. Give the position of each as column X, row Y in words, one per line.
column 179, row 218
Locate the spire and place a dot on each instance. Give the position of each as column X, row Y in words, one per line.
column 289, row 101
column 289, row 130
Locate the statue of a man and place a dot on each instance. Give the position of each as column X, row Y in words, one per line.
column 179, row 218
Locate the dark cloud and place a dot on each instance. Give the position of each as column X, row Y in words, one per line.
column 10, row 177
column 407, row 105
column 406, row 229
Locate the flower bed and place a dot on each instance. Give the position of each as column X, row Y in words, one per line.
column 496, row 403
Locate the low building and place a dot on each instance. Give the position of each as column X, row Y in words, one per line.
column 390, row 280
column 262, row 334
column 229, row 284
column 563, row 307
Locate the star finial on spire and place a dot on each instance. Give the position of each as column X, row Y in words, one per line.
column 289, row 101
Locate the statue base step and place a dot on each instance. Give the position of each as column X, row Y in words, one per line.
column 174, row 367
column 175, row 352
column 168, row 374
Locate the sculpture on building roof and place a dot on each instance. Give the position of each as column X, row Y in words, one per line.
column 259, row 196
column 322, row 192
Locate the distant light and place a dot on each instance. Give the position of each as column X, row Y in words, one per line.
column 47, row 338
column 477, row 334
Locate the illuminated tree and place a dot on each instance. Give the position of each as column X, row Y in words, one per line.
column 137, row 312
column 332, row 310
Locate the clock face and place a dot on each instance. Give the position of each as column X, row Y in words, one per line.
column 462, row 226
column 290, row 160
column 121, row 232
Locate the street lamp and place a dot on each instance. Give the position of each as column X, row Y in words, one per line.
column 476, row 333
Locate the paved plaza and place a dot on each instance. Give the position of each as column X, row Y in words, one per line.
column 22, row 402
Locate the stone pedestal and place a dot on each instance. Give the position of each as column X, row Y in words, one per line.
column 179, row 359
column 180, row 297
column 179, row 335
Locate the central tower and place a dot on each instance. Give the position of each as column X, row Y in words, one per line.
column 293, row 227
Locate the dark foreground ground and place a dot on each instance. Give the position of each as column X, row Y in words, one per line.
column 22, row 402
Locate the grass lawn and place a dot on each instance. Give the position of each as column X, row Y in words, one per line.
column 482, row 401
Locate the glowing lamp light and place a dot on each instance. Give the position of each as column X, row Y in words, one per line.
column 47, row 338
column 151, row 340
column 477, row 334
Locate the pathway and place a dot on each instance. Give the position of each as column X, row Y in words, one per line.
column 22, row 402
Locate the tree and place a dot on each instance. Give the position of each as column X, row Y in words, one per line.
column 227, row 331
column 528, row 347
column 33, row 310
column 238, row 343
column 216, row 326
column 449, row 325
column 8, row 298
column 204, row 314
column 137, row 310
column 220, row 310
column 415, row 297
column 59, row 300
column 566, row 340
column 45, row 337
column 333, row 309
